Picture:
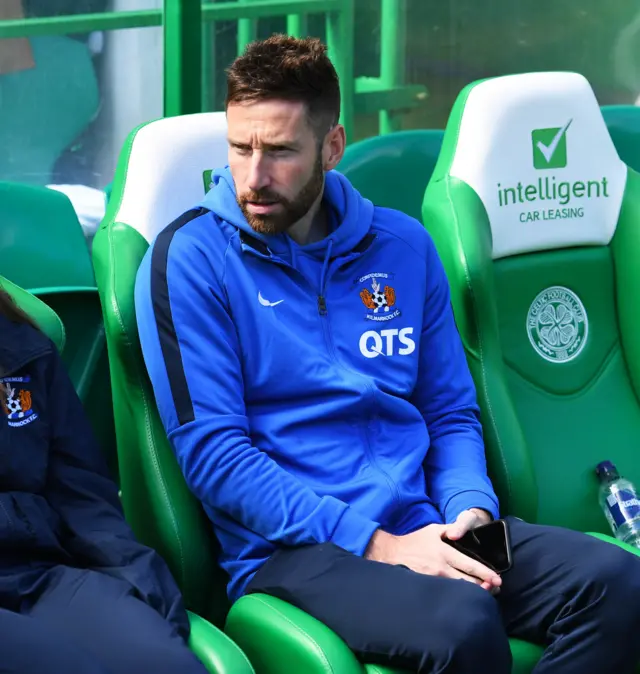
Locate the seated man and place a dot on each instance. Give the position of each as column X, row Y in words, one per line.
column 311, row 379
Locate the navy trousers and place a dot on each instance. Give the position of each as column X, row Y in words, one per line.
column 84, row 622
column 574, row 594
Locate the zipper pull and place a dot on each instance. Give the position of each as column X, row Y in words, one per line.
column 322, row 305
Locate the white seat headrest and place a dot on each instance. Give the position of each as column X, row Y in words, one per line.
column 536, row 150
column 167, row 166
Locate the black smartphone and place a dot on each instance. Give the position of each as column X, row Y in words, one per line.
column 488, row 544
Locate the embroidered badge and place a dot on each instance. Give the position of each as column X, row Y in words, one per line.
column 380, row 300
column 16, row 402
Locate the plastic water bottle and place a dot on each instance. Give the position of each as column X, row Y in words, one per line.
column 620, row 503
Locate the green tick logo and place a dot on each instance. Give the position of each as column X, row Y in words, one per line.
column 206, row 179
column 550, row 147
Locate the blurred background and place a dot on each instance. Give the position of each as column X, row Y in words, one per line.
column 77, row 75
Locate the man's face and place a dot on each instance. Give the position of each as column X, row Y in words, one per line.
column 276, row 161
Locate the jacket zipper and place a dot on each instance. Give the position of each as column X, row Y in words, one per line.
column 326, row 330
column 322, row 305
column 323, row 311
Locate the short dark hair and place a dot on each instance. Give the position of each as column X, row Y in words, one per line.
column 289, row 68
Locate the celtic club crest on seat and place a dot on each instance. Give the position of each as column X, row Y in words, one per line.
column 557, row 325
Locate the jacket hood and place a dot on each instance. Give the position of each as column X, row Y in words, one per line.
column 353, row 215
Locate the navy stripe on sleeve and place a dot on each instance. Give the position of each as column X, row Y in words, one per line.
column 164, row 318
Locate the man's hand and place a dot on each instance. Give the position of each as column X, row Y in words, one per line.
column 424, row 551
column 467, row 520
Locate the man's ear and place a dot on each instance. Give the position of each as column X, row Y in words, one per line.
column 333, row 147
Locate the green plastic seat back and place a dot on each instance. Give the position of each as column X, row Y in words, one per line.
column 393, row 170
column 42, row 314
column 43, row 249
column 537, row 221
column 623, row 122
column 37, row 222
column 44, row 109
column 159, row 176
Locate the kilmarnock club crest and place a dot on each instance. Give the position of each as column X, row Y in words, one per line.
column 16, row 402
column 379, row 297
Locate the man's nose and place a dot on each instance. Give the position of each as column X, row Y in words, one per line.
column 258, row 176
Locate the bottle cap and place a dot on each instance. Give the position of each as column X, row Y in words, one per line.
column 606, row 471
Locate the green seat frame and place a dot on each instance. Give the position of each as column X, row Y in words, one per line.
column 393, row 170
column 43, row 249
column 546, row 306
column 623, row 122
column 156, row 501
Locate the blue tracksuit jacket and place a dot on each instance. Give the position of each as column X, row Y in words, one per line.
column 311, row 393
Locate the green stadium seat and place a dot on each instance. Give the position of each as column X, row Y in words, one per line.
column 623, row 122
column 393, row 170
column 537, row 221
column 148, row 193
column 43, row 249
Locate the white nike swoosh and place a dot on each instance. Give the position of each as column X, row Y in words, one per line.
column 266, row 303
column 548, row 150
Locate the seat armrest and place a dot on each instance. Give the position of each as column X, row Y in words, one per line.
column 279, row 638
column 215, row 649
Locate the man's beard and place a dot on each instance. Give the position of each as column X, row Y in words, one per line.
column 291, row 210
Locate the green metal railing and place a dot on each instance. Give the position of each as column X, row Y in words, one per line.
column 339, row 16
column 187, row 27
column 79, row 23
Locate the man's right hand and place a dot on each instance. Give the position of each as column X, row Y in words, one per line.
column 425, row 552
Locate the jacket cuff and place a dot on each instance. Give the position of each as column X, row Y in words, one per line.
column 354, row 531
column 470, row 499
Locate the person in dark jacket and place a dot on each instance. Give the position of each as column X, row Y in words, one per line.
column 78, row 592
